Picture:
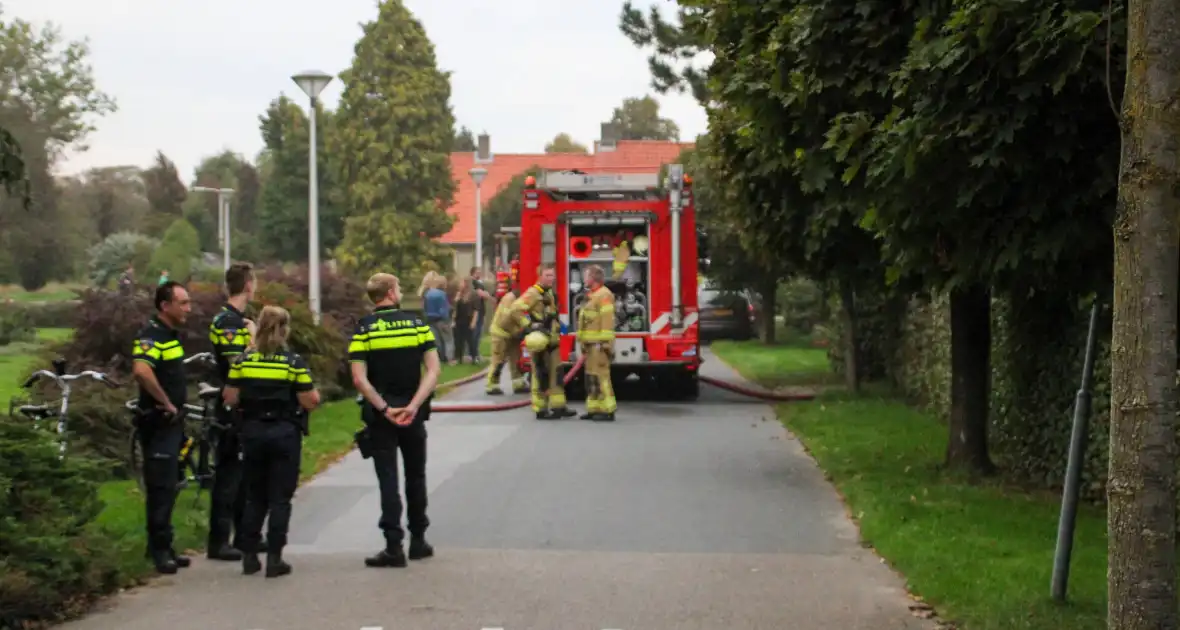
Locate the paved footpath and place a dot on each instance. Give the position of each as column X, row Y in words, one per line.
column 678, row 516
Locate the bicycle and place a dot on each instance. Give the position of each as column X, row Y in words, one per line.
column 204, row 434
column 64, row 382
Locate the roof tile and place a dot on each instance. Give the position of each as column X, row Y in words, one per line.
column 630, row 156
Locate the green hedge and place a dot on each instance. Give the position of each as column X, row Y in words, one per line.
column 1038, row 343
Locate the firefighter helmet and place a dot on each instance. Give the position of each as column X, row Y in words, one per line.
column 536, row 341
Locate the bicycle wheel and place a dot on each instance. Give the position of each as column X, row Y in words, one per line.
column 135, row 460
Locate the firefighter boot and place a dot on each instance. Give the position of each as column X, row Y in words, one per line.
column 275, row 565
column 562, row 412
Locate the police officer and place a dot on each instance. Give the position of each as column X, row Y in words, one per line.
column 537, row 310
column 230, row 333
column 596, row 336
column 507, row 327
column 159, row 369
column 271, row 388
column 387, row 353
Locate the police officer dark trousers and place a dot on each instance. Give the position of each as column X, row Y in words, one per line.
column 387, row 352
column 230, row 333
column 271, row 388
column 159, row 369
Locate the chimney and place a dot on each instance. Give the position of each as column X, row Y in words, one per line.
column 610, row 137
column 483, row 152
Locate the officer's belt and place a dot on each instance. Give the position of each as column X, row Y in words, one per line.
column 268, row 413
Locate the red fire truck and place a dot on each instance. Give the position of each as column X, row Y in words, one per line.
column 573, row 219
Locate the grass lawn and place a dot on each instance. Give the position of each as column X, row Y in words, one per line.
column 53, row 292
column 981, row 554
column 16, row 359
column 778, row 365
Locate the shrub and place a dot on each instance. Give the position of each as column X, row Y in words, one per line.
column 15, row 325
column 52, row 314
column 110, row 257
column 178, row 250
column 50, row 554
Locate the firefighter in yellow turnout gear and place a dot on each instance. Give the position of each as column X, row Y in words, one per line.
column 596, row 336
column 538, row 307
column 507, row 329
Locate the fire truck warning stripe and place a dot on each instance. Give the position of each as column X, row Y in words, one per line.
column 690, row 320
column 660, row 324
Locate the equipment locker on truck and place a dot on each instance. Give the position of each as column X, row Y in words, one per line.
column 645, row 235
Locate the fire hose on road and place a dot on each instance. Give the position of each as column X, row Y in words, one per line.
column 755, row 393
column 573, row 373
column 504, row 406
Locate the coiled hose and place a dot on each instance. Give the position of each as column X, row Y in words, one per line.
column 504, row 406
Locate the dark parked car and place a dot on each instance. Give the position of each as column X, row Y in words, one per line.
column 725, row 314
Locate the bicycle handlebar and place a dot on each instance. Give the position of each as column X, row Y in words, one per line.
column 204, row 357
column 62, row 379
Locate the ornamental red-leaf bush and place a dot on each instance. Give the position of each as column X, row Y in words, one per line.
column 106, row 323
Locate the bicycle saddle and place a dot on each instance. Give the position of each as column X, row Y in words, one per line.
column 207, row 391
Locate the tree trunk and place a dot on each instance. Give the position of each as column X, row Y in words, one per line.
column 970, row 379
column 1141, row 487
column 851, row 336
column 769, row 325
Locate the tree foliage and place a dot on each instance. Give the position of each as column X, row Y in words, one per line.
column 563, row 143
column 48, row 79
column 391, row 144
column 970, row 141
column 165, row 194
column 639, row 119
column 674, row 45
column 281, row 222
column 464, row 141
column 110, row 257
column 178, row 251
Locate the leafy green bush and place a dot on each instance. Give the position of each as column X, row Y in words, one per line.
column 51, row 557
column 15, row 325
column 52, row 314
column 803, row 305
column 110, row 257
column 178, row 251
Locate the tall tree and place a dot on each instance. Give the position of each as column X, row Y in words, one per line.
column 35, row 240
column 563, row 143
column 392, row 141
column 464, row 141
column 49, row 80
column 111, row 198
column 639, row 119
column 165, row 194
column 674, row 44
column 281, row 214
column 12, row 166
column 1141, row 580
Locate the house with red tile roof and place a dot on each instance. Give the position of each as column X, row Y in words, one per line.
column 621, row 156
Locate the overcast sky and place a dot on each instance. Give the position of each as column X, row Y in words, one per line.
column 191, row 78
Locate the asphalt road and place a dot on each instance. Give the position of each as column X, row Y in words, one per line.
column 676, row 517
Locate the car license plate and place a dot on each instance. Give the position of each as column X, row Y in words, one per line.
column 722, row 312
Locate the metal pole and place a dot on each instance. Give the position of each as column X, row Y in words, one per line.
column 1073, row 473
column 313, row 224
column 478, row 227
column 228, row 234
column 220, row 218
column 503, row 250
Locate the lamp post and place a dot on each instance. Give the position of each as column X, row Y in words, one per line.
column 312, row 82
column 223, row 224
column 477, row 175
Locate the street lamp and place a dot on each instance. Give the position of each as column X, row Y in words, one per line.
column 223, row 224
column 477, row 175
column 312, row 82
